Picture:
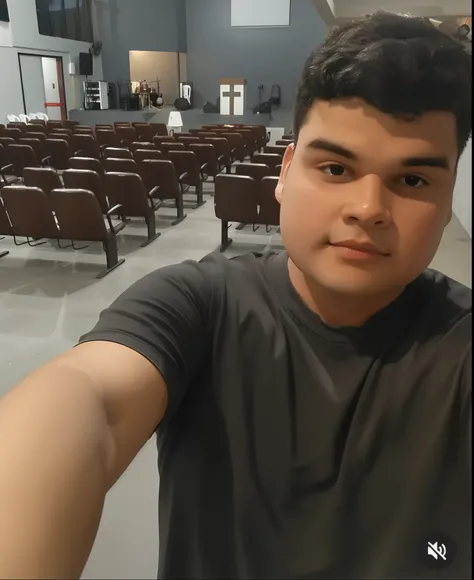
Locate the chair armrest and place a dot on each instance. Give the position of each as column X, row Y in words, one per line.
column 109, row 213
column 7, row 168
column 182, row 177
column 46, row 160
column 154, row 191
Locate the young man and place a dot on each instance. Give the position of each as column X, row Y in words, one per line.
column 313, row 406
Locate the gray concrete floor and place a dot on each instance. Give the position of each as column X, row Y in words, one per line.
column 48, row 298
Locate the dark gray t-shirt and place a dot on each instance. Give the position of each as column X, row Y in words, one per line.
column 292, row 449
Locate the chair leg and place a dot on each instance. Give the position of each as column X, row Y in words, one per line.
column 4, row 253
column 200, row 196
column 151, row 229
column 225, row 240
column 241, row 226
column 179, row 210
column 111, row 253
column 228, row 168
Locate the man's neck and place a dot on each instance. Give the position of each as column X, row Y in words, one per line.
column 339, row 309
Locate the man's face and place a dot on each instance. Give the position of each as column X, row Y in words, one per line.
column 365, row 197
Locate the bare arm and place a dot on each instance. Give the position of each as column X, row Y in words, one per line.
column 67, row 433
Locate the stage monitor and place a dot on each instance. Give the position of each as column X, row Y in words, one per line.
column 86, row 66
column 4, row 15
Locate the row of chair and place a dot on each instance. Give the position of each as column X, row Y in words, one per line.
column 243, row 199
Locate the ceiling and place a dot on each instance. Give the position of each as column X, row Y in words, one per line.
column 338, row 11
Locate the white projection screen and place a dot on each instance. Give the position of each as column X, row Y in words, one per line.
column 260, row 12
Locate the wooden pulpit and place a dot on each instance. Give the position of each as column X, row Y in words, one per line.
column 233, row 96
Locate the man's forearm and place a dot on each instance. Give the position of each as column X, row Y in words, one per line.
column 54, row 453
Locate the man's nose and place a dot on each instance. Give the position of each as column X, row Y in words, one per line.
column 369, row 203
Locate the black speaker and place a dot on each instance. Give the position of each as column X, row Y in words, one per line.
column 182, row 104
column 265, row 108
column 209, row 108
column 4, row 15
column 86, row 64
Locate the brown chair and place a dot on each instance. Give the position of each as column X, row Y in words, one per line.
column 221, row 145
column 107, row 138
column 63, row 132
column 204, row 134
column 103, row 127
column 159, row 139
column 54, row 135
column 71, row 125
column 87, row 163
column 83, row 129
column 250, row 144
column 79, row 217
column 7, row 141
column 236, row 144
column 207, row 158
column 165, row 148
column 270, row 159
column 256, row 171
column 60, row 152
column 44, row 178
column 116, row 153
column 178, row 136
column 142, row 145
column 126, row 135
column 31, row 214
column 143, row 154
column 5, row 227
column 38, row 147
column 159, row 128
column 288, row 137
column 189, row 172
column 195, row 131
column 259, row 135
column 35, row 135
column 38, row 129
column 128, row 191
column 277, row 149
column 54, row 125
column 283, row 142
column 37, row 122
column 22, row 156
column 162, row 174
column 122, row 124
column 85, row 146
column 120, row 165
column 235, row 201
column 22, row 126
column 144, row 132
column 7, row 169
column 276, row 171
column 269, row 208
column 14, row 133
column 189, row 140
column 89, row 180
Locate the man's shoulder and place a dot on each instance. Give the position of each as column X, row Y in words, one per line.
column 446, row 296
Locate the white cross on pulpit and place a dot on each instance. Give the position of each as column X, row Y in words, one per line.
column 233, row 96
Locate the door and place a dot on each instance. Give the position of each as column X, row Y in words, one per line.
column 33, row 83
column 53, row 88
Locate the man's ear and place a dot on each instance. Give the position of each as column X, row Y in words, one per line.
column 287, row 159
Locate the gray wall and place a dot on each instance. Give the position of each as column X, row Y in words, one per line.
column 125, row 25
column 462, row 201
column 261, row 55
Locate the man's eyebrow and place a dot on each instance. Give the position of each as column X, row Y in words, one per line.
column 428, row 161
column 332, row 147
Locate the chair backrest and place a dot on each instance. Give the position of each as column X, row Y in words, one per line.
column 89, row 180
column 270, row 159
column 5, row 226
column 144, row 132
column 32, row 117
column 159, row 139
column 128, row 190
column 79, row 215
column 13, row 119
column 117, row 153
column 142, row 145
column 71, row 125
column 36, row 121
column 103, row 126
column 207, row 157
column 236, row 141
column 189, row 140
column 59, row 151
column 122, row 124
column 85, row 146
column 88, row 163
column 36, row 144
column 32, row 135
column 13, row 133
column 37, row 128
column 276, row 171
column 220, row 144
column 165, row 148
column 83, row 129
column 186, row 162
column 284, row 142
column 55, row 124
column 236, row 198
column 278, row 149
column 163, row 173
column 22, row 126
column 43, row 116
column 119, row 165
column 66, row 132
column 159, row 128
column 255, row 170
column 126, row 135
column 30, row 212
column 142, row 154
column 204, row 134
column 22, row 156
column 45, row 178
column 106, row 137
column 269, row 210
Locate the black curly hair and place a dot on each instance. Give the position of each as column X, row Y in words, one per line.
column 402, row 65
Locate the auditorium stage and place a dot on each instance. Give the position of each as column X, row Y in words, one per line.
column 192, row 119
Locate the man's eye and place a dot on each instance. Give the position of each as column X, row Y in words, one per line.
column 333, row 169
column 413, row 181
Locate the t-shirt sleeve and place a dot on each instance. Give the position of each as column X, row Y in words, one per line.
column 164, row 317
